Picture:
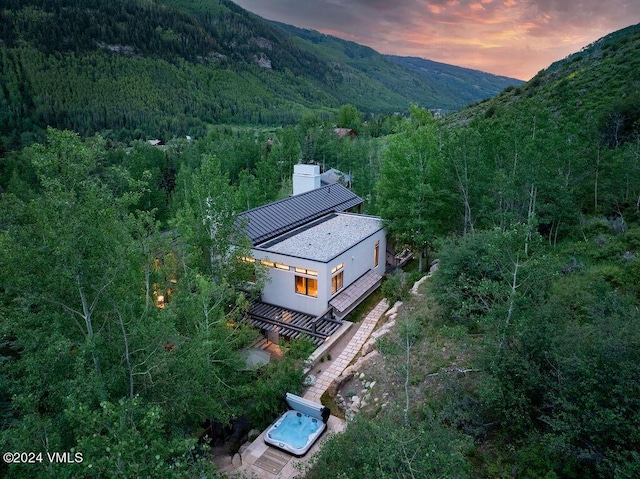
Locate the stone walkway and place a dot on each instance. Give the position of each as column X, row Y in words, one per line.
column 253, row 466
column 353, row 348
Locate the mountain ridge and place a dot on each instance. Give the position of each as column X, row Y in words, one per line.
column 436, row 93
column 135, row 69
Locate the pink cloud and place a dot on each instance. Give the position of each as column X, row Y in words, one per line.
column 514, row 38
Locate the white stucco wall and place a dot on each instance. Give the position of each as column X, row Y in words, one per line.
column 281, row 288
column 358, row 259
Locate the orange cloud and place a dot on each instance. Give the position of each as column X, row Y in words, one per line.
column 514, row 38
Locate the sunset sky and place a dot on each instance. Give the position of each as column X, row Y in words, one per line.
column 515, row 38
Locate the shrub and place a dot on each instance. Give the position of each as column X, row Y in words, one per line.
column 396, row 286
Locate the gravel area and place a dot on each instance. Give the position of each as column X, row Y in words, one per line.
column 329, row 238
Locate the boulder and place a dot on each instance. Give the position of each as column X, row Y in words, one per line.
column 383, row 330
column 236, row 461
column 364, row 360
column 434, row 266
column 368, row 346
column 394, row 309
column 349, row 371
column 337, row 383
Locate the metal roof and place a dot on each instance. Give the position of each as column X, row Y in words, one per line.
column 266, row 222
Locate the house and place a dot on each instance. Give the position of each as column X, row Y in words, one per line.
column 342, row 132
column 323, row 259
column 332, row 176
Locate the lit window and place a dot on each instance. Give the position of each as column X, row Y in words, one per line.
column 307, row 286
column 248, row 259
column 337, row 268
column 336, row 283
column 270, row 264
column 310, row 272
column 376, row 254
column 284, row 267
column 312, row 287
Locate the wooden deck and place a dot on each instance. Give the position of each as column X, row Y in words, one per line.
column 291, row 324
column 355, row 293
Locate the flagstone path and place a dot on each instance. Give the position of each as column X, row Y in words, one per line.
column 324, row 380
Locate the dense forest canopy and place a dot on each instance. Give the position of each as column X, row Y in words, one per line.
column 133, row 69
column 520, row 357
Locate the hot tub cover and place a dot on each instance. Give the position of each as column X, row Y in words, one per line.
column 307, row 407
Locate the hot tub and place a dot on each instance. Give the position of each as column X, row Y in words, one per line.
column 300, row 427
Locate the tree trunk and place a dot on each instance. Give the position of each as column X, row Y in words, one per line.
column 87, row 311
column 595, row 186
column 407, row 372
column 530, row 215
column 512, row 298
column 127, row 357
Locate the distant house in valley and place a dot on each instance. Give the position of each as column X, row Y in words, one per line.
column 342, row 132
column 323, row 257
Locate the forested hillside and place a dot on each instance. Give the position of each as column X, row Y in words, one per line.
column 519, row 357
column 462, row 83
column 440, row 86
column 133, row 69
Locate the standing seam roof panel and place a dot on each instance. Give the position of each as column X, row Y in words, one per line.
column 268, row 221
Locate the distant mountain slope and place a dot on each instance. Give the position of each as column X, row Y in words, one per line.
column 135, row 68
column 430, row 84
column 464, row 84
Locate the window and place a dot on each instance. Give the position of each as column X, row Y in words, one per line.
column 336, row 283
column 265, row 262
column 376, row 254
column 337, row 268
column 307, row 286
column 310, row 272
column 281, row 266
